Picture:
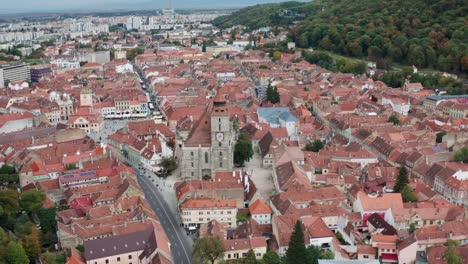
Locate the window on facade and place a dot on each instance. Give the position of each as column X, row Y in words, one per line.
column 220, row 164
column 200, row 213
column 206, row 157
column 191, row 153
column 229, row 256
column 129, row 256
column 258, row 254
column 365, row 256
column 219, row 126
column 118, row 259
column 219, row 144
column 200, row 219
column 192, row 164
column 107, row 261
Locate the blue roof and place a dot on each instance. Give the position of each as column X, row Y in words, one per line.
column 273, row 114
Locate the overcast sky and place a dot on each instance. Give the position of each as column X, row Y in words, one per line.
column 10, row 6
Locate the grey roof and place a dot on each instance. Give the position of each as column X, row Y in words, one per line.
column 348, row 261
column 273, row 114
column 446, row 97
column 120, row 244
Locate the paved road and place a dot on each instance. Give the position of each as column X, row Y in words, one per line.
column 180, row 245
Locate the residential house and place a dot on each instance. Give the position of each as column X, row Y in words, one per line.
column 260, row 212
column 194, row 212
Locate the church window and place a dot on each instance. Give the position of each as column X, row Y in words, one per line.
column 219, row 126
column 220, row 164
column 221, row 154
column 191, row 153
column 206, row 157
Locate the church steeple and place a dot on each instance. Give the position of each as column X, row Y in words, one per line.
column 220, row 99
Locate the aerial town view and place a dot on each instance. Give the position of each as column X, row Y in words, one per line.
column 234, row 132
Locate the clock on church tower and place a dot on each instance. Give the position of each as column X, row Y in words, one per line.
column 221, row 135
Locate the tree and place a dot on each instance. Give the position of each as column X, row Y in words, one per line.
column 412, row 228
column 402, row 179
column 208, row 250
column 315, row 146
column 168, row 165
column 243, row 150
column 31, row 201
column 242, row 217
column 48, row 258
column 271, row 258
column 251, row 258
column 408, row 195
column 340, row 237
column 124, row 153
column 439, row 136
column 393, row 119
column 32, row 244
column 296, row 249
column 461, row 155
column 276, row 55
column 327, row 254
column 313, row 254
column 9, row 202
column 451, row 255
column 272, row 94
column 16, row 254
column 80, row 248
column 47, row 219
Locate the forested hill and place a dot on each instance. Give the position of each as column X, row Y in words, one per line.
column 426, row 33
column 263, row 15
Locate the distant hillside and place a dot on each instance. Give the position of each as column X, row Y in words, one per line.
column 262, row 15
column 426, row 33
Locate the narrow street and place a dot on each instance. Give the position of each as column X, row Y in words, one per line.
column 180, row 243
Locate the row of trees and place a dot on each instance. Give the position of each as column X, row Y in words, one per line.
column 325, row 60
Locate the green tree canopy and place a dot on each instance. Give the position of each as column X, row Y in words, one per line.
column 315, row 146
column 451, row 255
column 168, row 165
column 243, row 150
column 296, row 252
column 408, row 195
column 393, row 119
column 31, row 201
column 9, row 203
column 271, row 258
column 251, row 258
column 208, row 250
column 461, row 155
column 439, row 136
column 272, row 94
column 15, row 254
column 402, row 179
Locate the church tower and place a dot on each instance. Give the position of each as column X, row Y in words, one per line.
column 222, row 136
column 86, row 97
